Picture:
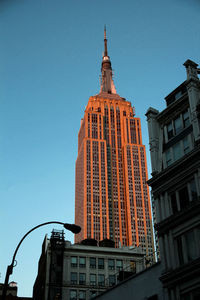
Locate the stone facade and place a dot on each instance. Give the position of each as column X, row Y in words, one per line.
column 174, row 136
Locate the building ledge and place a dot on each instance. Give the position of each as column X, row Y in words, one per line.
column 173, row 108
column 186, row 272
column 184, row 164
column 184, row 132
column 188, row 213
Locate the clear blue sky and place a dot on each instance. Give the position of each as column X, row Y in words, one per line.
column 50, row 59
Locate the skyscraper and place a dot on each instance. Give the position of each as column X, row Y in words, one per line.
column 112, row 196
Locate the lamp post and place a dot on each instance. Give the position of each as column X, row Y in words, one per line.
column 71, row 227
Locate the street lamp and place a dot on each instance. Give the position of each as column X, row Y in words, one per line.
column 72, row 227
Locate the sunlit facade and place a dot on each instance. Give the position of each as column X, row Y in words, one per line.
column 112, row 196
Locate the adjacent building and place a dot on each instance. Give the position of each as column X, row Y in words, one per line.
column 174, row 136
column 142, row 286
column 112, row 195
column 82, row 271
column 11, row 293
column 11, row 290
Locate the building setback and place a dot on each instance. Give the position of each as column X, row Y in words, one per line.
column 112, row 195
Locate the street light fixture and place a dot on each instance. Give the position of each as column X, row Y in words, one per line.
column 72, row 227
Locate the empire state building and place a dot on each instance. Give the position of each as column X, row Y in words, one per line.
column 112, row 196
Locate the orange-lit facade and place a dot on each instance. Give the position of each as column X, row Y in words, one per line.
column 112, row 196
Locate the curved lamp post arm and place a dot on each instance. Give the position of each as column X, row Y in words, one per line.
column 66, row 225
column 72, row 227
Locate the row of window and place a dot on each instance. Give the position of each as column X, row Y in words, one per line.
column 188, row 246
column 182, row 197
column 74, row 295
column 94, row 263
column 81, row 294
column 176, row 126
column 177, row 151
column 98, row 109
column 94, row 279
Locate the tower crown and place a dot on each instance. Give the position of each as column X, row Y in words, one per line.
column 107, row 84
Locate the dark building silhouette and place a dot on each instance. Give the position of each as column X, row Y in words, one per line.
column 174, row 136
column 12, row 292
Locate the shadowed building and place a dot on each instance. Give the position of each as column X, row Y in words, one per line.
column 82, row 271
column 174, row 136
column 11, row 293
column 112, row 196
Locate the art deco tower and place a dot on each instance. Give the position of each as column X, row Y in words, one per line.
column 112, row 196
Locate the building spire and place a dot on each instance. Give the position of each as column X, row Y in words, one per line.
column 107, row 84
column 105, row 42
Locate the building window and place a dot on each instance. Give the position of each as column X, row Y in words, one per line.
column 101, row 280
column 74, row 261
column 193, row 190
column 100, row 263
column 170, row 133
column 180, row 250
column 174, row 203
column 82, row 278
column 186, row 146
column 191, row 245
column 82, row 262
column 187, row 246
column 112, row 280
column 168, row 157
column 177, row 151
column 92, row 263
column 73, row 294
column 177, row 96
column 183, row 197
column 92, row 279
column 93, row 294
column 111, row 264
column 74, row 278
column 82, row 295
column 133, row 265
column 119, row 265
column 177, row 125
column 186, row 120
